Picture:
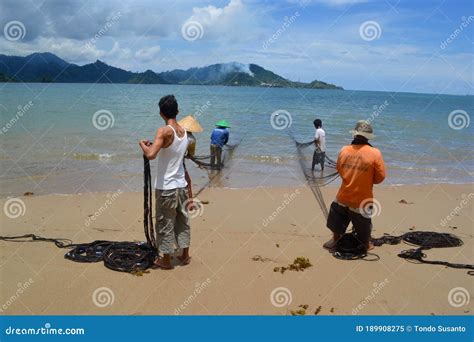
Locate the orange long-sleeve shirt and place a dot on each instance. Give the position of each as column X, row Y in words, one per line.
column 360, row 167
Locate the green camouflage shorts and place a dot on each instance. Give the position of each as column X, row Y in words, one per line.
column 172, row 220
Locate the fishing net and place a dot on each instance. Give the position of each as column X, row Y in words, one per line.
column 125, row 256
column 315, row 182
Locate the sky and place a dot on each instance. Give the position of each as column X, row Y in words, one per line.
column 389, row 45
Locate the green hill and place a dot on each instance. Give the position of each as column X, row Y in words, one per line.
column 47, row 67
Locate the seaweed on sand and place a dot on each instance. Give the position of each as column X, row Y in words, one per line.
column 299, row 264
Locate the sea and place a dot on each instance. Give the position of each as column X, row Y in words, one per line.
column 82, row 138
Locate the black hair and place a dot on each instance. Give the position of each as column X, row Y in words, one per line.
column 168, row 106
column 318, row 123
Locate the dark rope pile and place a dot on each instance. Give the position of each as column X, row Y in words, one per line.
column 131, row 257
column 349, row 247
column 424, row 241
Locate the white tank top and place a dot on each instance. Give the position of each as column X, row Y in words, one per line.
column 170, row 173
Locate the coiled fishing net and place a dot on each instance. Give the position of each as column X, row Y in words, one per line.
column 125, row 256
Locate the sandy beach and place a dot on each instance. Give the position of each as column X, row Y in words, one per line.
column 237, row 241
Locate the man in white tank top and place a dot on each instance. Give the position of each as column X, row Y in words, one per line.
column 173, row 194
column 320, row 145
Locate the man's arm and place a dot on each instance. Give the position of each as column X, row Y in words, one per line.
column 339, row 162
column 226, row 138
column 151, row 151
column 379, row 174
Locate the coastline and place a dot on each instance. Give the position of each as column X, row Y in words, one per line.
column 235, row 247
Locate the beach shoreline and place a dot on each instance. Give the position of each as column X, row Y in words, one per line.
column 238, row 239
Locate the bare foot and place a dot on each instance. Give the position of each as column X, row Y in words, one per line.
column 185, row 260
column 329, row 244
column 370, row 246
column 160, row 263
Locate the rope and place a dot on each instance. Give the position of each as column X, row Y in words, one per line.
column 147, row 204
column 424, row 241
column 348, row 247
column 131, row 257
column 60, row 243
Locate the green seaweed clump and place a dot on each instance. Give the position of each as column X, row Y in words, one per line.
column 299, row 264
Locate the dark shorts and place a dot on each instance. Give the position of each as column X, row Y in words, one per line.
column 340, row 217
column 318, row 158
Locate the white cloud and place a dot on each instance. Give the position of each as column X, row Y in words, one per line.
column 70, row 50
column 212, row 15
column 231, row 23
column 147, row 54
column 119, row 53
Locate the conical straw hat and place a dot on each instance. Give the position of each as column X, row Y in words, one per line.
column 190, row 124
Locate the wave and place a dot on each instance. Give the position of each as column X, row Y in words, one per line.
column 92, row 156
column 270, row 159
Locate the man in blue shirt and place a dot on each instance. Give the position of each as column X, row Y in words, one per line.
column 219, row 137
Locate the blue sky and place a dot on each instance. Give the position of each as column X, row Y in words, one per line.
column 298, row 39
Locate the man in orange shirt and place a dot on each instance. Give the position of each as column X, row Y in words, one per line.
column 360, row 166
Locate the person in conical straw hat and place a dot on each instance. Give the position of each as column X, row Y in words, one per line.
column 191, row 125
column 219, row 137
column 360, row 166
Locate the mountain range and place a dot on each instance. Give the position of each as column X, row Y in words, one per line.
column 47, row 67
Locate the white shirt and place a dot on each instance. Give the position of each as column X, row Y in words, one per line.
column 170, row 173
column 321, row 135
